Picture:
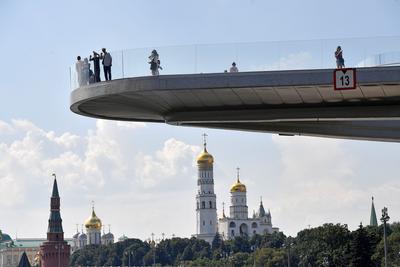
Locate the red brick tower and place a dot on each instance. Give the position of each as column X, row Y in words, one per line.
column 55, row 251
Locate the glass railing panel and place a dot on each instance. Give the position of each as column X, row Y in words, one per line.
column 213, row 58
column 258, row 56
column 300, row 55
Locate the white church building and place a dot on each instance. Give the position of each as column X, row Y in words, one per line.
column 238, row 223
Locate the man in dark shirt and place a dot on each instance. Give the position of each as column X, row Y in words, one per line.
column 96, row 63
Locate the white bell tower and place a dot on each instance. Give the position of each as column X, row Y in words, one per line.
column 206, row 200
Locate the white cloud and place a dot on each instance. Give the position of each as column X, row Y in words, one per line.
column 105, row 165
column 175, row 159
column 138, row 182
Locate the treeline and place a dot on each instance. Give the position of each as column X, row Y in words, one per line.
column 327, row 245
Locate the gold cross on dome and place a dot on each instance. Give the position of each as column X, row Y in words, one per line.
column 204, row 139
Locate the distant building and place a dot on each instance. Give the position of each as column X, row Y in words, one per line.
column 55, row 251
column 238, row 222
column 93, row 236
column 11, row 250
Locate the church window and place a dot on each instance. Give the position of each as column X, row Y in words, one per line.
column 232, row 224
column 204, row 222
column 210, row 205
column 254, row 225
column 203, row 204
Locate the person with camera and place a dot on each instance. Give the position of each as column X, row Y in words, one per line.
column 339, row 58
column 154, row 61
column 96, row 65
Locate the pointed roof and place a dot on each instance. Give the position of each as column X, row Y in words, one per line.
column 24, row 262
column 373, row 221
column 55, row 187
column 261, row 210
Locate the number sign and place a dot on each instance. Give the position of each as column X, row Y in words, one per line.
column 344, row 79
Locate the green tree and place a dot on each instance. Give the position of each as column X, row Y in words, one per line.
column 239, row 259
column 270, row 257
column 361, row 249
column 327, row 245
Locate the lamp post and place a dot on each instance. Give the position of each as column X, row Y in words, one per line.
column 385, row 218
column 288, row 244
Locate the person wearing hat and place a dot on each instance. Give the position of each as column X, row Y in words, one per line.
column 233, row 68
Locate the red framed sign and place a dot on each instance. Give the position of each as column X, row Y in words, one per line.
column 345, row 79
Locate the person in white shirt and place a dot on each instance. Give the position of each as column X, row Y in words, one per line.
column 107, row 63
column 79, row 69
column 233, row 68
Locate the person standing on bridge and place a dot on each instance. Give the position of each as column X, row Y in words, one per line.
column 78, row 69
column 154, row 63
column 107, row 63
column 233, row 68
column 339, row 58
column 96, row 63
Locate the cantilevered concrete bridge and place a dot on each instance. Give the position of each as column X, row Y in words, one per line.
column 301, row 102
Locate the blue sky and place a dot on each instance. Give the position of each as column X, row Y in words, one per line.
column 142, row 167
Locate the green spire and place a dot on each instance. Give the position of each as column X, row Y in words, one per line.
column 373, row 221
column 55, row 187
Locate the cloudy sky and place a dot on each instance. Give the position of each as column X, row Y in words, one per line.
column 142, row 177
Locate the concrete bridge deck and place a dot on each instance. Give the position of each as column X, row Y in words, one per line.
column 301, row 102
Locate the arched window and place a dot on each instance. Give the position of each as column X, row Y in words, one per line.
column 232, row 224
column 210, row 204
column 198, row 205
column 254, row 225
column 203, row 204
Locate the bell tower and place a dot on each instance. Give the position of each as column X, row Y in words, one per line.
column 206, row 208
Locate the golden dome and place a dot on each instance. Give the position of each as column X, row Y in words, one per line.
column 238, row 187
column 205, row 158
column 93, row 222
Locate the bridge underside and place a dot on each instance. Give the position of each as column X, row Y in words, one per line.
column 284, row 102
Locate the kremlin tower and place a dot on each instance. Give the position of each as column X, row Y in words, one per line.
column 206, row 209
column 55, row 251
